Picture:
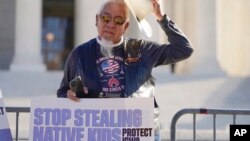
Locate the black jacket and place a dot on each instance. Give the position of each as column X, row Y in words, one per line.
column 141, row 57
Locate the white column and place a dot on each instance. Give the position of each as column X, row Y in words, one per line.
column 233, row 36
column 185, row 16
column 206, row 58
column 28, row 37
column 85, row 20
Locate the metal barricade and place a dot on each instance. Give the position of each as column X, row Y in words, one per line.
column 213, row 112
column 18, row 110
column 180, row 113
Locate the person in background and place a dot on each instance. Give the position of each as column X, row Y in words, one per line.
column 112, row 66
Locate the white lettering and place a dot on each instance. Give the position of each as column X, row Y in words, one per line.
column 239, row 132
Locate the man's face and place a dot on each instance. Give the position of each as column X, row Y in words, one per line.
column 112, row 23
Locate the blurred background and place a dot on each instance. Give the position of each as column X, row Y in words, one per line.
column 36, row 36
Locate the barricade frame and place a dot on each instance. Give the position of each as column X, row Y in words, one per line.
column 214, row 112
column 176, row 117
column 17, row 110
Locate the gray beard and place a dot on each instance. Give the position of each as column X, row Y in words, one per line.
column 106, row 47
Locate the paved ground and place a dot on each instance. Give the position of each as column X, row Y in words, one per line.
column 200, row 90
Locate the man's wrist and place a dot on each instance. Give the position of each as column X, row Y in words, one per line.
column 163, row 19
column 160, row 17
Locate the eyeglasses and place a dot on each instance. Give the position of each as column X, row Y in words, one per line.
column 116, row 20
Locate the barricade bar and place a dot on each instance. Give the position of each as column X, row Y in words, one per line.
column 17, row 110
column 213, row 112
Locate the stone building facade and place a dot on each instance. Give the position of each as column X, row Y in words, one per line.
column 218, row 30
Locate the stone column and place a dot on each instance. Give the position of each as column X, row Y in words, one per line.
column 185, row 16
column 85, row 20
column 27, row 56
column 233, row 36
column 206, row 58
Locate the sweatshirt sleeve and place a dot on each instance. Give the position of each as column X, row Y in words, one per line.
column 178, row 49
column 69, row 73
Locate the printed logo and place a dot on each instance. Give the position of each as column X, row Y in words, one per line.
column 239, row 132
column 113, row 82
column 110, row 66
column 111, row 75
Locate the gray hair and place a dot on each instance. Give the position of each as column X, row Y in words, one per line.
column 118, row 2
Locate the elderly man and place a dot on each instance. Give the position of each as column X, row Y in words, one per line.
column 111, row 66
